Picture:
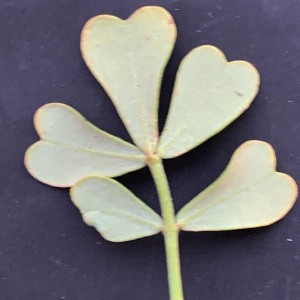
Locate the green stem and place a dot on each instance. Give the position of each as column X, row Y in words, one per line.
column 170, row 230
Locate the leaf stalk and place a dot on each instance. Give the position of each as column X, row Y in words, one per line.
column 170, row 230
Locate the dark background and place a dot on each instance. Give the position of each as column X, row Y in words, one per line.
column 47, row 252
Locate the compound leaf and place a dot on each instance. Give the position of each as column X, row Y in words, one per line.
column 128, row 58
column 249, row 193
column 209, row 94
column 72, row 148
column 113, row 210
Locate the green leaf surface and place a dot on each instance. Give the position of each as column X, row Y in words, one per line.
column 113, row 210
column 72, row 148
column 249, row 193
column 209, row 94
column 128, row 58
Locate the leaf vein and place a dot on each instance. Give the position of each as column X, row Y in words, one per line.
column 132, row 157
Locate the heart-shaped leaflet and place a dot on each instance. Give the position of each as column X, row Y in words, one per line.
column 113, row 210
column 128, row 58
column 249, row 193
column 209, row 94
column 71, row 148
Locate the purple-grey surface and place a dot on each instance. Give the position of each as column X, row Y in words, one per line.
column 47, row 252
